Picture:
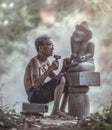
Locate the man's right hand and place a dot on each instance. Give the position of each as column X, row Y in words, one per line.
column 55, row 65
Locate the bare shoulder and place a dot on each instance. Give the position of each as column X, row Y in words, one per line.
column 34, row 61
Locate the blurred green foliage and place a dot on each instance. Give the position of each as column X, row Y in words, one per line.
column 5, row 121
column 108, row 110
column 20, row 16
column 16, row 18
column 98, row 121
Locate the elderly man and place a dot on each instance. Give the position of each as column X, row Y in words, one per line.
column 37, row 70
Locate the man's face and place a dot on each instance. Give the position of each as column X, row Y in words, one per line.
column 48, row 49
column 79, row 36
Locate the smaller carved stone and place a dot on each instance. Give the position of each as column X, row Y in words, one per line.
column 34, row 107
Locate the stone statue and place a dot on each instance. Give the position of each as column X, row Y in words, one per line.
column 82, row 49
column 79, row 71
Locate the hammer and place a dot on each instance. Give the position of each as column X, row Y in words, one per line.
column 57, row 57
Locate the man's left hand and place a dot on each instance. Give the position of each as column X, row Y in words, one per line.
column 66, row 63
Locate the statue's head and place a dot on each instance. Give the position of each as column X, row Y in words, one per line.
column 82, row 33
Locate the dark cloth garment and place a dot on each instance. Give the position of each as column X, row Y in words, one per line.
column 45, row 92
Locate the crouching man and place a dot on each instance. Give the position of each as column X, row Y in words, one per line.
column 37, row 70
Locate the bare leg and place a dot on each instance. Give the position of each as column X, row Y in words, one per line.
column 57, row 97
column 64, row 101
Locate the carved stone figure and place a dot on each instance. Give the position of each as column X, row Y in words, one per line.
column 82, row 49
column 78, row 71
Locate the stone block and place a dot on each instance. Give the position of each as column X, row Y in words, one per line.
column 77, row 89
column 78, row 105
column 83, row 78
column 34, row 108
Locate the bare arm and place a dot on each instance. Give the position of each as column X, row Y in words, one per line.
column 52, row 73
column 90, row 51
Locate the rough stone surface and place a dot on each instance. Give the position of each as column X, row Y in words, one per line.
column 79, row 83
column 78, row 89
column 34, row 107
column 83, row 78
column 79, row 104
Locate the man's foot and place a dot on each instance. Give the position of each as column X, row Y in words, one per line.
column 66, row 112
column 59, row 114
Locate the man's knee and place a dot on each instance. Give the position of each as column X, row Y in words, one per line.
column 63, row 80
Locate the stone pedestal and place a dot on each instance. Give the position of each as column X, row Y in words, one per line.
column 79, row 83
column 79, row 101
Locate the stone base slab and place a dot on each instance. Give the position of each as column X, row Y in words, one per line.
column 34, row 108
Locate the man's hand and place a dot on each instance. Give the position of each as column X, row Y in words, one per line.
column 55, row 65
column 66, row 64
